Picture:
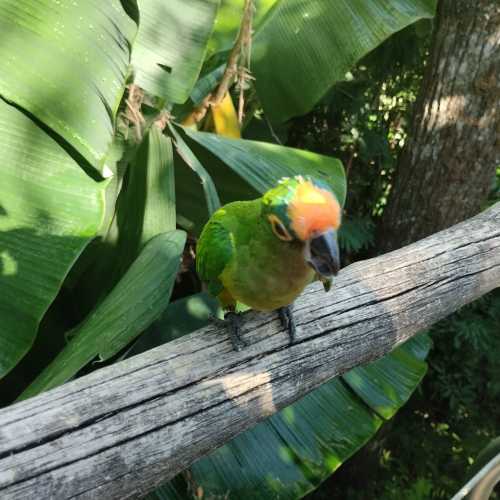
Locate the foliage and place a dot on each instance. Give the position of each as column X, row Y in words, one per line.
column 464, row 383
column 356, row 234
column 365, row 120
column 431, row 445
column 427, row 449
column 326, row 30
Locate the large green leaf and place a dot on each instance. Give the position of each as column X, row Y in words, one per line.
column 290, row 453
column 254, row 167
column 145, row 207
column 261, row 164
column 137, row 300
column 171, row 45
column 193, row 196
column 159, row 206
column 66, row 63
column 49, row 210
column 385, row 384
column 302, row 48
column 190, row 159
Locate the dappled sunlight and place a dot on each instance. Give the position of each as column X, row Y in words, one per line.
column 8, row 265
column 50, row 210
column 167, row 60
column 446, row 110
column 227, row 22
column 100, row 41
column 303, row 443
column 238, row 384
column 452, row 111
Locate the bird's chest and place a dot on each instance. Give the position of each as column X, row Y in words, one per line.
column 266, row 280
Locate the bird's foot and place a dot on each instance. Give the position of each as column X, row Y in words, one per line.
column 326, row 282
column 286, row 318
column 232, row 321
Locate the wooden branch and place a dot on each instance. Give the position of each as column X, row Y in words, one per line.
column 232, row 63
column 124, row 429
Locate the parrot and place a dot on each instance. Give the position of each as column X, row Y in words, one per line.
column 265, row 251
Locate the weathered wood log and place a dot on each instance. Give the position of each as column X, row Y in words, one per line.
column 122, row 430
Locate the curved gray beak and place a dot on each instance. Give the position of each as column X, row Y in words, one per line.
column 323, row 254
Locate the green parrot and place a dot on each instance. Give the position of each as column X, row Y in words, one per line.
column 264, row 252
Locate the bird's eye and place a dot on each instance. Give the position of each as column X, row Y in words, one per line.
column 279, row 229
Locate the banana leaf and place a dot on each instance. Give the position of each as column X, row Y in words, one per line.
column 137, row 300
column 242, row 170
column 171, row 45
column 140, row 203
column 134, row 270
column 66, row 63
column 49, row 210
column 302, row 48
column 261, row 164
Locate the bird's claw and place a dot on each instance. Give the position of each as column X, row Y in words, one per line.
column 326, row 282
column 287, row 321
column 217, row 321
column 232, row 321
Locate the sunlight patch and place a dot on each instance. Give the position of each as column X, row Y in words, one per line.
column 8, row 265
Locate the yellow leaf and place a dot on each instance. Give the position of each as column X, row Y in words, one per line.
column 226, row 119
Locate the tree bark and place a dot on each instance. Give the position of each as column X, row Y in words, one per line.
column 448, row 167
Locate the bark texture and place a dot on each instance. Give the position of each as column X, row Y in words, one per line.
column 448, row 168
column 122, row 430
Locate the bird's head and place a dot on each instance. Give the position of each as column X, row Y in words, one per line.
column 305, row 209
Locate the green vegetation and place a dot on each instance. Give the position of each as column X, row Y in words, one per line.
column 430, row 446
column 112, row 161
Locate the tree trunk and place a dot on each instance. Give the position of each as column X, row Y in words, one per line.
column 447, row 170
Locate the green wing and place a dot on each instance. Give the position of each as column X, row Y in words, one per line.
column 214, row 250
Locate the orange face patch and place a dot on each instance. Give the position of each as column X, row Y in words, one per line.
column 313, row 210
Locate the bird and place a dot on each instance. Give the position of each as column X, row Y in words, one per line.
column 265, row 251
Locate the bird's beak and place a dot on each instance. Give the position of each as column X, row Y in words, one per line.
column 322, row 253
